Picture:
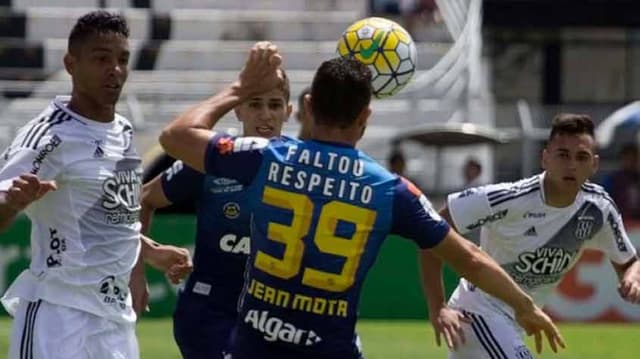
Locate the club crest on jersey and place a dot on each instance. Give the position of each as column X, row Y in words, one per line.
column 231, row 210
column 584, row 227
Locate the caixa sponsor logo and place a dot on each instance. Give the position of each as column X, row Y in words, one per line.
column 275, row 329
column 231, row 243
column 488, row 219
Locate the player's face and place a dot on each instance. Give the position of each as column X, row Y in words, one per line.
column 569, row 160
column 264, row 115
column 98, row 67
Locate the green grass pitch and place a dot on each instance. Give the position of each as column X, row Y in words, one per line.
column 411, row 339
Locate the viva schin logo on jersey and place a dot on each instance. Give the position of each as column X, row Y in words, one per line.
column 121, row 198
column 275, row 329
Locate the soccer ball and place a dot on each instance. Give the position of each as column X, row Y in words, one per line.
column 386, row 48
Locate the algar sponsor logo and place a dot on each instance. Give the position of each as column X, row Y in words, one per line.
column 275, row 329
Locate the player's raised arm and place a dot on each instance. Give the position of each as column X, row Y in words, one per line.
column 187, row 137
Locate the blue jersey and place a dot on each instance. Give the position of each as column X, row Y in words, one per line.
column 320, row 212
column 222, row 237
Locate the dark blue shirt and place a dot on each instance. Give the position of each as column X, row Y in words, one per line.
column 222, row 236
column 320, row 214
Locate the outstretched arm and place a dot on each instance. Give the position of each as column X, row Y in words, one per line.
column 445, row 321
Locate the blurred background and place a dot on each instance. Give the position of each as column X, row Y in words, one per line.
column 491, row 75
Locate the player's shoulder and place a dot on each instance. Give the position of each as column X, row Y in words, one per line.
column 52, row 126
column 597, row 194
column 499, row 194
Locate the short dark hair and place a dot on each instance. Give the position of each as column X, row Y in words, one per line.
column 285, row 86
column 571, row 124
column 340, row 90
column 628, row 148
column 96, row 22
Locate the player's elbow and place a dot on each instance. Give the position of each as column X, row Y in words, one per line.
column 169, row 138
column 146, row 201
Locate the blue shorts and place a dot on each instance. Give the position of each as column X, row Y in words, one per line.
column 252, row 347
column 201, row 330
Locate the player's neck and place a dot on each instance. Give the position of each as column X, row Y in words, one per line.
column 556, row 196
column 348, row 136
column 86, row 107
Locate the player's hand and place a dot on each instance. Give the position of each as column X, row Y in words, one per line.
column 260, row 73
column 26, row 189
column 448, row 322
column 178, row 272
column 139, row 290
column 174, row 261
column 629, row 287
column 535, row 322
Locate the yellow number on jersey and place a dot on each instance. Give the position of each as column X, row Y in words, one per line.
column 291, row 236
column 351, row 249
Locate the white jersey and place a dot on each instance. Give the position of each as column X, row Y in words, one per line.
column 535, row 243
column 84, row 236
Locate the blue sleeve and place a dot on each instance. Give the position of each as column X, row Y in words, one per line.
column 181, row 183
column 414, row 218
column 234, row 157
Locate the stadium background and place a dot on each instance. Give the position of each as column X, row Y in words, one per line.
column 499, row 69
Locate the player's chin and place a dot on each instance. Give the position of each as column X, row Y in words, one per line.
column 110, row 96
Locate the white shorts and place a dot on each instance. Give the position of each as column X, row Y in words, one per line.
column 491, row 337
column 42, row 330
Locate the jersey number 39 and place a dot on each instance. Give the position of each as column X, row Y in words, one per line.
column 325, row 239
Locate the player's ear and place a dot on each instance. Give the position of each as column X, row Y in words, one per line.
column 307, row 103
column 289, row 110
column 363, row 117
column 596, row 164
column 545, row 158
column 236, row 110
column 68, row 63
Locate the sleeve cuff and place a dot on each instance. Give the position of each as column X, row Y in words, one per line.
column 6, row 184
